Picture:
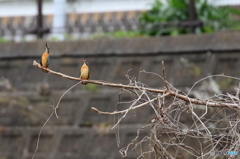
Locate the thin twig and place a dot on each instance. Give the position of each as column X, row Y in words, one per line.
column 164, row 76
column 126, row 110
column 55, row 109
column 38, row 139
column 220, row 75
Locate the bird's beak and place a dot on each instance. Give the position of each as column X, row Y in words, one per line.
column 47, row 49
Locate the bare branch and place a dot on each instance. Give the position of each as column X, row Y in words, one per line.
column 164, row 76
column 98, row 82
column 39, row 135
column 172, row 93
column 126, row 110
column 55, row 109
column 212, row 123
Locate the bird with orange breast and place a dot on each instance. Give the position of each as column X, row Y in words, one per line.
column 84, row 72
column 45, row 59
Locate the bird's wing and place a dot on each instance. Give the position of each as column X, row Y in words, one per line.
column 88, row 73
column 80, row 73
column 41, row 61
column 48, row 60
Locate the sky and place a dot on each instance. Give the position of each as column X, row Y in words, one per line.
column 28, row 7
column 25, row 8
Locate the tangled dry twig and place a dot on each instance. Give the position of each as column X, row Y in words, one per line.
column 181, row 126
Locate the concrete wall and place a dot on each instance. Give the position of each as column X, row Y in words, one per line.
column 27, row 93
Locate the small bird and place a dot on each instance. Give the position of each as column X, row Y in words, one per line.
column 45, row 59
column 84, row 72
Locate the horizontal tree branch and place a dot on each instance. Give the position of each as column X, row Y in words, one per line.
column 98, row 82
column 209, row 103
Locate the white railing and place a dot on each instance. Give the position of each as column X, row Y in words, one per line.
column 225, row 2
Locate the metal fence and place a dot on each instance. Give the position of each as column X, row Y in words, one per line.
column 87, row 23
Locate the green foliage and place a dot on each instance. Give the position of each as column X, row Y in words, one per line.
column 54, row 38
column 120, row 34
column 90, row 87
column 68, row 36
column 162, row 19
column 195, row 70
column 225, row 83
column 117, row 34
column 2, row 40
column 86, row 124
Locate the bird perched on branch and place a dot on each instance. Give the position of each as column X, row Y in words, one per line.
column 45, row 59
column 84, row 71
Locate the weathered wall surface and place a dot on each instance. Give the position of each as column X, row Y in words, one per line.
column 27, row 93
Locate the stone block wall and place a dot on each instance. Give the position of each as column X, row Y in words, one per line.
column 27, row 94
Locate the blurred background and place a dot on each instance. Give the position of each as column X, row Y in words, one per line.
column 195, row 38
column 56, row 20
